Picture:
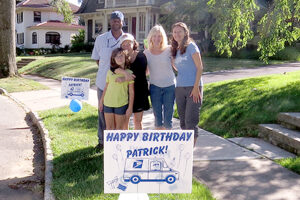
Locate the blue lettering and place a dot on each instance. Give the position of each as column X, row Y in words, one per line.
column 123, row 136
column 188, row 136
column 116, row 138
column 109, row 137
column 145, row 136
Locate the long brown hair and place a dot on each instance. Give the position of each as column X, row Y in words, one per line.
column 113, row 63
column 185, row 42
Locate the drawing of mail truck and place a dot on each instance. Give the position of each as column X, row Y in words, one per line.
column 148, row 169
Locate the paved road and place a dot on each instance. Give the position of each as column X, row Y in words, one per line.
column 17, row 152
column 245, row 73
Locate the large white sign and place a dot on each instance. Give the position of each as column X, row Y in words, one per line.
column 75, row 88
column 152, row 161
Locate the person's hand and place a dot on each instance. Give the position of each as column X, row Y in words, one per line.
column 120, row 79
column 129, row 76
column 196, row 95
column 128, row 112
column 100, row 105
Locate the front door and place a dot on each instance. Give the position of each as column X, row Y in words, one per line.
column 133, row 26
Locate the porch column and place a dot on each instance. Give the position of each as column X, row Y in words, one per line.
column 93, row 28
column 114, row 3
column 147, row 18
column 156, row 17
column 137, row 2
column 137, row 31
column 85, row 31
column 105, row 4
column 105, row 25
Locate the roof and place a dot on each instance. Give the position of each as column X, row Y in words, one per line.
column 55, row 24
column 41, row 4
column 90, row 6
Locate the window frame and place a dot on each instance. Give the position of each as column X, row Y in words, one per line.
column 49, row 37
column 37, row 18
column 34, row 38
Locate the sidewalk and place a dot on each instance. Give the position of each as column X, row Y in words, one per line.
column 21, row 159
column 230, row 171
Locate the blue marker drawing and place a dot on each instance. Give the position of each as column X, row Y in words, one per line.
column 138, row 170
column 122, row 187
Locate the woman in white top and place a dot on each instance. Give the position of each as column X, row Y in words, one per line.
column 162, row 78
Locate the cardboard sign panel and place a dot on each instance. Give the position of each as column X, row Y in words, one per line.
column 75, row 88
column 152, row 161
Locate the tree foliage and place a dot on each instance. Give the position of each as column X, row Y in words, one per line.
column 279, row 27
column 63, row 7
column 233, row 23
column 232, row 28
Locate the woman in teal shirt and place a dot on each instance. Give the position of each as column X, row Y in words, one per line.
column 188, row 63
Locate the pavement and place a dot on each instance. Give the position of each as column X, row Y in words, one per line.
column 229, row 170
column 21, row 159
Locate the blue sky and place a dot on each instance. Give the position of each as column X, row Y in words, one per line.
column 74, row 2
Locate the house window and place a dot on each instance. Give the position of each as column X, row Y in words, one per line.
column 19, row 17
column 20, row 38
column 34, row 38
column 100, row 1
column 36, row 16
column 52, row 38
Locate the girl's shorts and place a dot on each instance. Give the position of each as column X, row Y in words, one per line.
column 119, row 110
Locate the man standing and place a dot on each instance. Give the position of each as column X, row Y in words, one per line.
column 104, row 45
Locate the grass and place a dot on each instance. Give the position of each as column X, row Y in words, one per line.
column 78, row 168
column 81, row 65
column 57, row 66
column 235, row 108
column 18, row 84
column 292, row 164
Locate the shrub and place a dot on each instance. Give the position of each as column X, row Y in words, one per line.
column 289, row 53
column 19, row 51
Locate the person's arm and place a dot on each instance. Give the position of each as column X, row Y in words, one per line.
column 131, row 98
column 196, row 93
column 97, row 61
column 127, row 76
column 100, row 103
column 173, row 64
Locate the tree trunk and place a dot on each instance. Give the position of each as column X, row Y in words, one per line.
column 8, row 65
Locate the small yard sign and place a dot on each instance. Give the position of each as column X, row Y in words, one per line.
column 75, row 88
column 152, row 161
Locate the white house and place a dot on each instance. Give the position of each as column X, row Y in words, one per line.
column 140, row 16
column 38, row 25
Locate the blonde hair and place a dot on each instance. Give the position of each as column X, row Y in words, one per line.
column 154, row 30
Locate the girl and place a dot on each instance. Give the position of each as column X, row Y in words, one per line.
column 115, row 101
column 189, row 93
column 138, row 65
column 162, row 78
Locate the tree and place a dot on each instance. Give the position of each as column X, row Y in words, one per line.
column 195, row 14
column 231, row 24
column 8, row 65
column 63, row 7
column 278, row 27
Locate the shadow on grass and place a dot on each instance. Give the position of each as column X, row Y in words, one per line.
column 79, row 174
column 237, row 107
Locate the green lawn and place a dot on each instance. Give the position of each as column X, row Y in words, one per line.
column 78, row 168
column 291, row 163
column 17, row 84
column 81, row 65
column 235, row 108
column 74, row 65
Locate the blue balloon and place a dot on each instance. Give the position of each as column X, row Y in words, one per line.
column 75, row 105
